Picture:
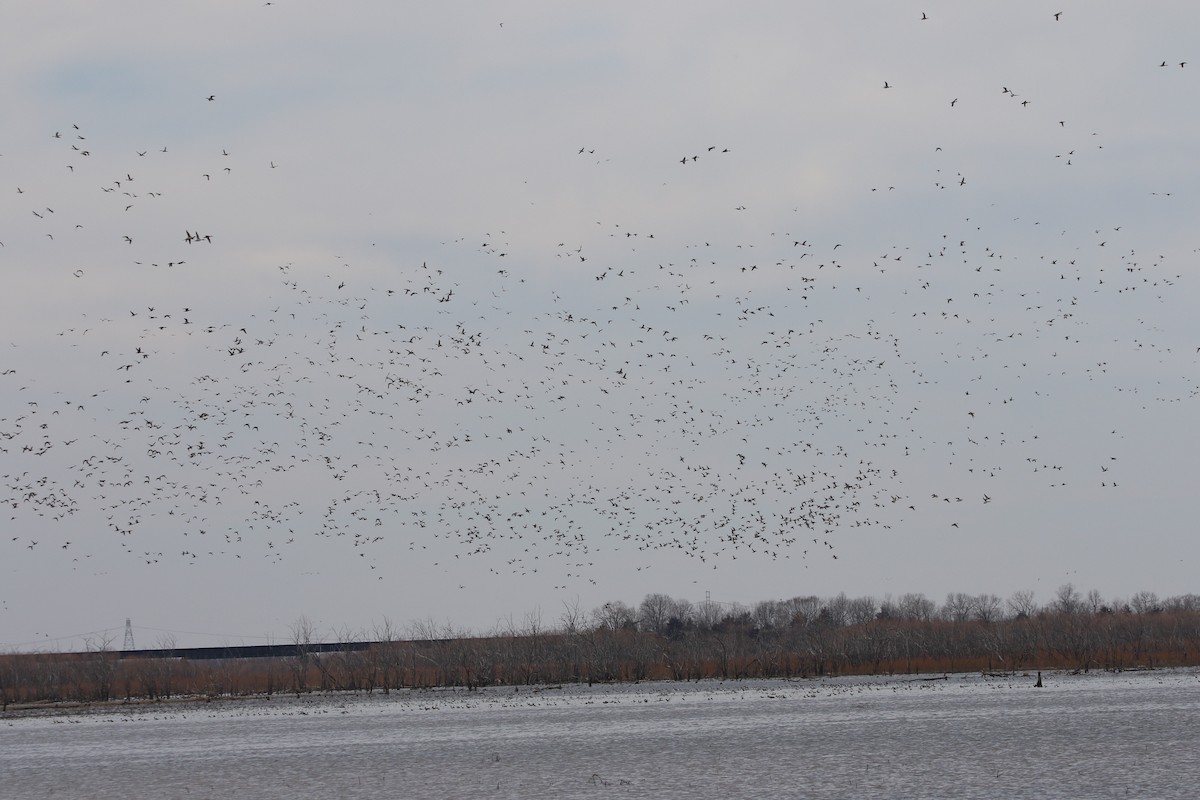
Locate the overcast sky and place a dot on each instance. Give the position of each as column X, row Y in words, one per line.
column 462, row 312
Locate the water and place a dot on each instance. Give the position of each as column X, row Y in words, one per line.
column 1099, row 735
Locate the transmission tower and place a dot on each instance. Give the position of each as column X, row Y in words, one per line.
column 128, row 635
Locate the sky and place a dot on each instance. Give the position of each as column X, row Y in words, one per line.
column 469, row 314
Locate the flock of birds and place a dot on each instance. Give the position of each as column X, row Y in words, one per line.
column 628, row 391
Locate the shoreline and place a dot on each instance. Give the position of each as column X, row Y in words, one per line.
column 81, row 708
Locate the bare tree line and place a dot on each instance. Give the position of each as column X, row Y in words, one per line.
column 660, row 638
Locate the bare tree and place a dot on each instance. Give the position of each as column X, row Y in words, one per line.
column 387, row 655
column 155, row 674
column 1145, row 603
column 1021, row 604
column 615, row 616
column 572, row 616
column 100, row 667
column 269, row 671
column 836, row 610
column 683, row 616
column 708, row 614
column 1183, row 602
column 805, row 610
column 655, row 612
column 434, row 648
column 302, row 631
column 1067, row 600
column 986, row 607
column 862, row 610
column 350, row 664
column 958, row 607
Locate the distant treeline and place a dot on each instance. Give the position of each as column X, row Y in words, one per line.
column 663, row 638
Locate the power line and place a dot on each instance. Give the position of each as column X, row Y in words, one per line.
column 266, row 637
column 58, row 638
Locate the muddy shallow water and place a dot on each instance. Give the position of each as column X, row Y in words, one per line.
column 1132, row 734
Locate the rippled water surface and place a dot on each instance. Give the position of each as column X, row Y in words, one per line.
column 1098, row 735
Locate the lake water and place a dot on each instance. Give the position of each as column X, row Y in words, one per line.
column 1132, row 734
